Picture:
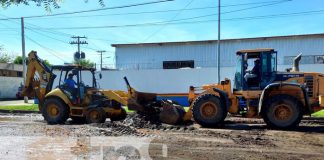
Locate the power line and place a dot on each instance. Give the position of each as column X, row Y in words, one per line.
column 202, row 21
column 65, row 35
column 174, row 17
column 94, row 10
column 161, row 11
column 45, row 35
column 101, row 51
column 46, row 48
column 238, row 10
column 78, row 42
column 161, row 22
column 52, row 32
column 109, row 40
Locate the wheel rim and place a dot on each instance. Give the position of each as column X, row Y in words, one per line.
column 208, row 110
column 53, row 110
column 94, row 116
column 282, row 112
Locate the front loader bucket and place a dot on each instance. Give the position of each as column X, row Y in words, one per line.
column 140, row 101
column 171, row 113
column 147, row 104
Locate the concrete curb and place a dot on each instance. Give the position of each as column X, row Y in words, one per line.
column 17, row 111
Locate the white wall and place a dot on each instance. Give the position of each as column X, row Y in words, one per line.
column 151, row 56
column 9, row 86
column 171, row 81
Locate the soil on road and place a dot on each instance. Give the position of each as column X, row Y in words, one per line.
column 27, row 136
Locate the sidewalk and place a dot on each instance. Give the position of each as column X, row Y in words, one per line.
column 16, row 103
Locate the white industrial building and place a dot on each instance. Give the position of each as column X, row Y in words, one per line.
column 151, row 67
column 202, row 54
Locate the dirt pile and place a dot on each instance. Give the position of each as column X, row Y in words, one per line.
column 153, row 123
column 140, row 121
column 117, row 129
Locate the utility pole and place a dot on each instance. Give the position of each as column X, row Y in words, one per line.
column 78, row 42
column 101, row 51
column 23, row 53
column 218, row 42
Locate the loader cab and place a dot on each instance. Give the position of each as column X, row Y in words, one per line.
column 255, row 69
column 81, row 86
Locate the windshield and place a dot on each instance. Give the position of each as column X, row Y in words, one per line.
column 238, row 74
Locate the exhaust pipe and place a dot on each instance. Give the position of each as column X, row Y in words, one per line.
column 296, row 63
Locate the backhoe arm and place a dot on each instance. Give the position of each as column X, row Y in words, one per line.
column 40, row 84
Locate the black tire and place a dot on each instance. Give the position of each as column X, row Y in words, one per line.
column 78, row 120
column 96, row 115
column 122, row 116
column 55, row 111
column 282, row 112
column 208, row 110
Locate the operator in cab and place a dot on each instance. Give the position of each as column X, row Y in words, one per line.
column 256, row 68
column 70, row 81
column 71, row 86
column 254, row 76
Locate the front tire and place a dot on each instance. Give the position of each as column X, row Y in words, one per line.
column 208, row 110
column 55, row 111
column 96, row 115
column 282, row 112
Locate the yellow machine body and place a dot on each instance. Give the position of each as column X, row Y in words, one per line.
column 305, row 88
column 110, row 101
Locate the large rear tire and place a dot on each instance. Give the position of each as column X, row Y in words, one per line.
column 55, row 111
column 208, row 110
column 282, row 112
column 96, row 115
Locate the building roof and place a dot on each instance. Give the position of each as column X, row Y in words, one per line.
column 70, row 67
column 214, row 41
column 258, row 50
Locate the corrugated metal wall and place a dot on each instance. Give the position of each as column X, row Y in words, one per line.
column 204, row 53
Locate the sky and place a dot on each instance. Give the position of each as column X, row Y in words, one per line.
column 191, row 20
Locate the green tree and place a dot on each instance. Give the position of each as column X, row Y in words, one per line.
column 47, row 4
column 85, row 63
column 47, row 62
column 4, row 57
column 18, row 60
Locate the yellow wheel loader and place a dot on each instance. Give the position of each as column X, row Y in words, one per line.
column 280, row 98
column 82, row 103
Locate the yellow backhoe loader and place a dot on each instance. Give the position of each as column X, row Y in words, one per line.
column 82, row 103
